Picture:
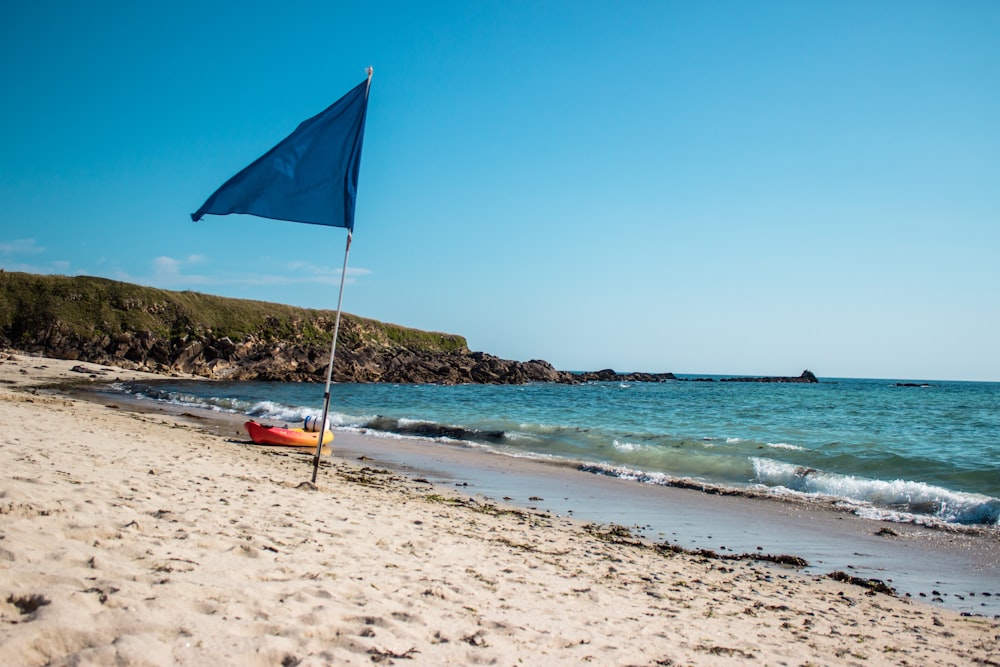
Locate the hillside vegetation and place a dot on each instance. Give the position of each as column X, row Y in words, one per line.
column 88, row 306
column 121, row 324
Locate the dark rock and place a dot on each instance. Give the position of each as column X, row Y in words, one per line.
column 256, row 358
column 807, row 377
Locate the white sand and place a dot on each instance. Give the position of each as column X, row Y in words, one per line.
column 138, row 539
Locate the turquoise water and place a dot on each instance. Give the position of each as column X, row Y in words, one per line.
column 925, row 453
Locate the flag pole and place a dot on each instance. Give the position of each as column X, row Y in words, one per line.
column 336, row 331
column 329, row 368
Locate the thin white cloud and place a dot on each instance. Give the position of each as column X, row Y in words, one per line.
column 20, row 247
column 12, row 252
column 307, row 272
column 168, row 271
column 166, row 267
column 172, row 272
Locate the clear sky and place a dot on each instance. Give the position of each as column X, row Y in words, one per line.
column 698, row 187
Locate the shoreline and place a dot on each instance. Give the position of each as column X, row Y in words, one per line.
column 953, row 566
column 148, row 538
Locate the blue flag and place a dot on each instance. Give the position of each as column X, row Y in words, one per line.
column 311, row 176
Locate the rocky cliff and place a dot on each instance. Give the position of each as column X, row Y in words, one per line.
column 119, row 324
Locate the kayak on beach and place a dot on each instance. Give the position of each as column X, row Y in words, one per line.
column 262, row 434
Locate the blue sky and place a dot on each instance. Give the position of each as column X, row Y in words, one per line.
column 697, row 187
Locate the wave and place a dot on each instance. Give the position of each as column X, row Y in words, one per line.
column 424, row 429
column 880, row 498
column 264, row 410
column 899, row 501
column 664, row 479
column 785, row 445
column 281, row 412
column 626, row 446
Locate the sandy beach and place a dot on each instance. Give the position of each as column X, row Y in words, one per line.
column 144, row 538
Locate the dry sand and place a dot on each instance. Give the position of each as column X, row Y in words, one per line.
column 132, row 538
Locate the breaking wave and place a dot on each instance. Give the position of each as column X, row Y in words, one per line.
column 424, row 429
column 881, row 498
column 899, row 500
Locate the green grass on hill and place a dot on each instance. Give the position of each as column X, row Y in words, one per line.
column 87, row 306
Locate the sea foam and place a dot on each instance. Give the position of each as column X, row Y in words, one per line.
column 885, row 497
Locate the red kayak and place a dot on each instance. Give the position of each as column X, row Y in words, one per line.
column 289, row 437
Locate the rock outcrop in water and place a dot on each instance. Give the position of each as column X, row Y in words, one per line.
column 118, row 324
column 807, row 377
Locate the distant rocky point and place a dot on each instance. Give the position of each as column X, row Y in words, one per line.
column 113, row 323
column 806, row 377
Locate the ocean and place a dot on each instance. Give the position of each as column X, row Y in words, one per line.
column 891, row 450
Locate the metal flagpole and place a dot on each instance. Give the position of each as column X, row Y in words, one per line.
column 329, row 368
column 336, row 331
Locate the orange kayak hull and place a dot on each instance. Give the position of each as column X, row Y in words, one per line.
column 287, row 437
